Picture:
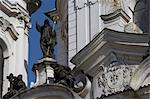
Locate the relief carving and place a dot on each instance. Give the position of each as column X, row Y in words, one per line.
column 115, row 77
column 6, row 26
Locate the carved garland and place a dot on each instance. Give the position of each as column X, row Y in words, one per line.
column 114, row 79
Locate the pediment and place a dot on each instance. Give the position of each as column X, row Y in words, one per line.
column 6, row 26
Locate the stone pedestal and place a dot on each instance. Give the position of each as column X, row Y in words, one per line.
column 49, row 73
column 44, row 71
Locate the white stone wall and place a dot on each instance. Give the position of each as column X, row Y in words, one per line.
column 16, row 39
column 83, row 24
column 84, row 21
column 72, row 34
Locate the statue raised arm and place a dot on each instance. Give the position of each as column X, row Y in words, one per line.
column 38, row 27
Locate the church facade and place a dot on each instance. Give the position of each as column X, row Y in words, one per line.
column 104, row 42
column 109, row 41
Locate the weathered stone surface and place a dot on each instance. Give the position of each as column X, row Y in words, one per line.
column 51, row 91
column 132, row 28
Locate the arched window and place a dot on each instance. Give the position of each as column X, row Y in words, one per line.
column 1, row 70
column 142, row 15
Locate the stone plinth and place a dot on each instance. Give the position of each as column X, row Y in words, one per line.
column 44, row 71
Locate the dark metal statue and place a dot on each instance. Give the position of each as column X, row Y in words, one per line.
column 63, row 75
column 16, row 85
column 48, row 39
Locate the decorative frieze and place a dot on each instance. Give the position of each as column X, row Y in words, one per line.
column 115, row 77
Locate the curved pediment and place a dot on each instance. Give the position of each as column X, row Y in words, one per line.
column 6, row 26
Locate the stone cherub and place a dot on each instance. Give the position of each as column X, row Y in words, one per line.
column 48, row 39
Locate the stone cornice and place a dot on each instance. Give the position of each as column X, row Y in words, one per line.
column 114, row 15
column 114, row 54
column 12, row 10
column 6, row 26
column 98, row 50
column 110, row 36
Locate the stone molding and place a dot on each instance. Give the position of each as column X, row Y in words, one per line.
column 6, row 26
column 107, row 41
column 12, row 10
column 113, row 16
column 15, row 10
column 97, row 58
column 49, row 72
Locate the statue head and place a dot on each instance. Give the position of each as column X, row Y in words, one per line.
column 19, row 77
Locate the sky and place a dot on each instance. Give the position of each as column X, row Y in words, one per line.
column 35, row 52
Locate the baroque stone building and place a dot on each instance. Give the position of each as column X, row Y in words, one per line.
column 104, row 42
column 109, row 41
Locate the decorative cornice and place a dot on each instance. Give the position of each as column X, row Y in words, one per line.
column 110, row 36
column 12, row 9
column 114, row 15
column 6, row 26
column 113, row 70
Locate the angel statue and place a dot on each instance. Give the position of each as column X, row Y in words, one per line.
column 48, row 39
